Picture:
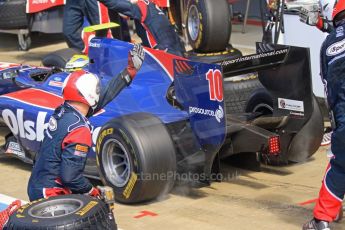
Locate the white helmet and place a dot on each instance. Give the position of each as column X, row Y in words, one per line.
column 326, row 8
column 83, row 87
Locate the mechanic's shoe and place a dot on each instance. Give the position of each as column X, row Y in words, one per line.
column 316, row 225
column 326, row 140
column 5, row 214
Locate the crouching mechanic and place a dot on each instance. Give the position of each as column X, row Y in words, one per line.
column 333, row 75
column 60, row 163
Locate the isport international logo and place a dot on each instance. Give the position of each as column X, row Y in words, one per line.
column 218, row 113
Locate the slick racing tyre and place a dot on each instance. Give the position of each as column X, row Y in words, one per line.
column 13, row 14
column 62, row 212
column 246, row 94
column 228, row 54
column 59, row 58
column 136, row 157
column 208, row 25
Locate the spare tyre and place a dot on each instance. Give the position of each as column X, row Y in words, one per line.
column 13, row 15
column 229, row 53
column 208, row 25
column 59, row 58
column 62, row 212
column 246, row 94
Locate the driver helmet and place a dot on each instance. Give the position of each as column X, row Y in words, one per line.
column 82, row 86
column 77, row 62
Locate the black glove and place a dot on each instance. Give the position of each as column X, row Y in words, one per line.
column 135, row 60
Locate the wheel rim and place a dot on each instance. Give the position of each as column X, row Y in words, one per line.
column 265, row 109
column 193, row 22
column 116, row 163
column 55, row 208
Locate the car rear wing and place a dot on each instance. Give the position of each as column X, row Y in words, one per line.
column 266, row 57
column 284, row 71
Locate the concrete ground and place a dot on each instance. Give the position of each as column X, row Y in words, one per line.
column 270, row 199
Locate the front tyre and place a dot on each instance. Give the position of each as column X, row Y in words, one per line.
column 136, row 157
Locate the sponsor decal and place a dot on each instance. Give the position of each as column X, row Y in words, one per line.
column 104, row 133
column 218, row 114
column 131, row 183
column 289, row 104
column 87, row 208
column 57, row 78
column 297, row 114
column 9, row 74
column 82, row 148
column 33, row 6
column 336, row 48
column 52, row 124
column 16, row 149
column 31, row 130
column 34, row 130
column 55, row 83
column 95, row 45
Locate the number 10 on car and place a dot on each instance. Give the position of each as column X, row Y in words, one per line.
column 215, row 84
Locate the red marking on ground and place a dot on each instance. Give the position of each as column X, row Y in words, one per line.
column 252, row 22
column 308, row 202
column 145, row 213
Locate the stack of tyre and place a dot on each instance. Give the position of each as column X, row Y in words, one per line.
column 13, row 15
column 208, row 29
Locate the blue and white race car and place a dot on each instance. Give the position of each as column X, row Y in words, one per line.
column 171, row 122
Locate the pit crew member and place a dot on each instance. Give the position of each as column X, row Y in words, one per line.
column 60, row 162
column 333, row 74
column 153, row 26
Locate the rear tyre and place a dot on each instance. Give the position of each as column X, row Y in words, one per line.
column 62, row 212
column 208, row 25
column 136, row 157
column 59, row 58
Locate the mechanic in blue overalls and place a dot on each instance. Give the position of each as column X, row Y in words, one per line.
column 153, row 26
column 60, row 162
column 333, row 75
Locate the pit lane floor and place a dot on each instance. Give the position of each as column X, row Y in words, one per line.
column 271, row 199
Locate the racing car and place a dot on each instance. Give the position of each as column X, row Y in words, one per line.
column 171, row 123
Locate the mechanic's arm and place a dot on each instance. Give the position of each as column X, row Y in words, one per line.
column 324, row 25
column 119, row 82
column 126, row 7
column 75, row 148
column 313, row 18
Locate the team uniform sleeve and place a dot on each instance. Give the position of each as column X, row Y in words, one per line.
column 324, row 25
column 124, row 7
column 75, row 148
column 112, row 89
